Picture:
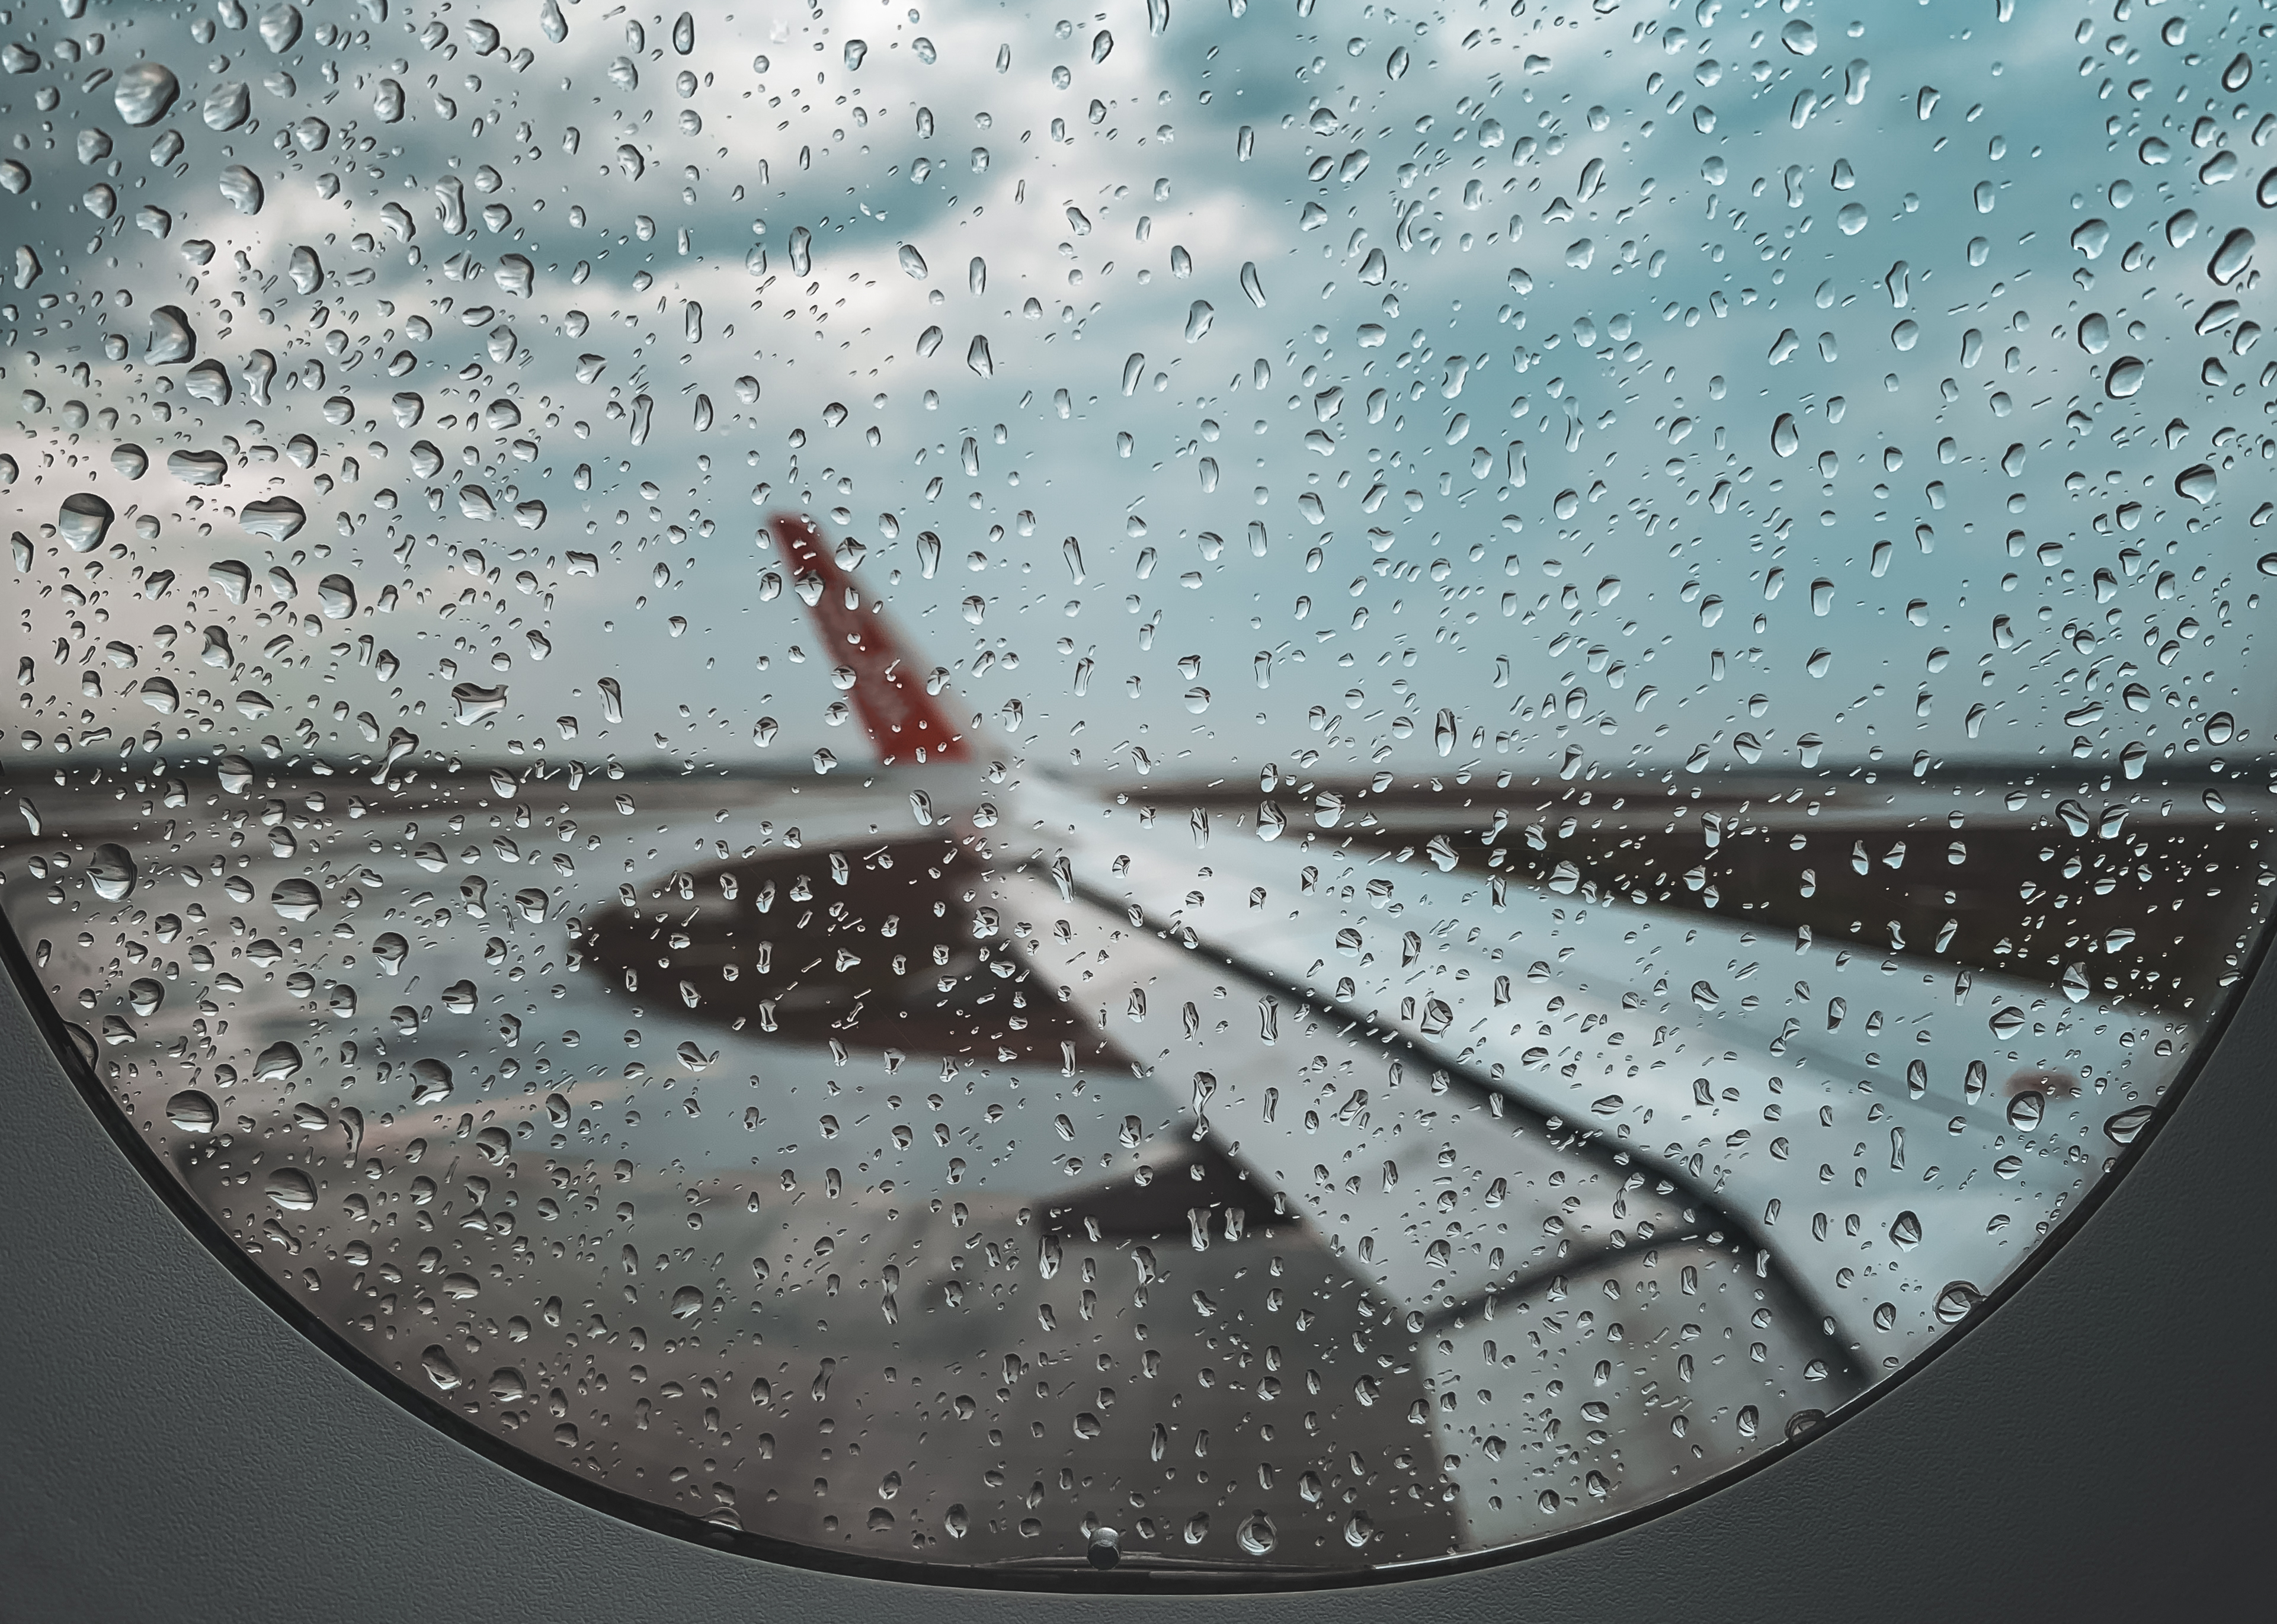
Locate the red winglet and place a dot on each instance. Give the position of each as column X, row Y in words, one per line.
column 901, row 717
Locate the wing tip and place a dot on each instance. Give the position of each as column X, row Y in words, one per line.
column 897, row 698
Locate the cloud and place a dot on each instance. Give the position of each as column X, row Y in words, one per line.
column 1594, row 236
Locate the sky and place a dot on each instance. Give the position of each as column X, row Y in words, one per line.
column 1639, row 386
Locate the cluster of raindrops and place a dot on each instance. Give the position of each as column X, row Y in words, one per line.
column 1262, row 788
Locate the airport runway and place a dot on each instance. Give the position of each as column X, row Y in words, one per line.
column 944, row 1168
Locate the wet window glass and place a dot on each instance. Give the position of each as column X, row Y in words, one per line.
column 1266, row 790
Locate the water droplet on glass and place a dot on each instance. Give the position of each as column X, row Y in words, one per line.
column 2125, row 377
column 431, row 1081
column 305, row 270
column 111, row 872
column 242, row 188
column 281, row 27
column 2229, row 259
column 143, row 92
column 227, row 105
column 290, row 1189
column 193, row 1112
column 1803, row 1424
column 296, row 899
column 274, row 519
column 2125, row 1128
column 1955, row 1301
column 84, row 521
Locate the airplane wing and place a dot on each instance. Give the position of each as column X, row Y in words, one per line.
column 1407, row 1121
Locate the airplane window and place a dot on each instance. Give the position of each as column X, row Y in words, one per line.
column 1267, row 791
